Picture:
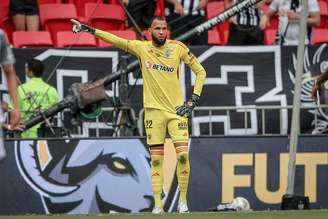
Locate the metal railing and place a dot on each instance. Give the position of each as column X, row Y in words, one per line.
column 252, row 120
column 252, row 117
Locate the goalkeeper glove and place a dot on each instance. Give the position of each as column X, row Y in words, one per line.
column 79, row 27
column 188, row 106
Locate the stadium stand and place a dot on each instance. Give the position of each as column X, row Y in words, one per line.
column 48, row 1
column 265, row 7
column 224, row 37
column 213, row 9
column 80, row 5
column 102, row 19
column 111, row 2
column 273, row 23
column 224, row 31
column 6, row 22
column 56, row 17
column 319, row 35
column 32, row 39
column 270, row 36
column 4, row 14
column 67, row 38
column 127, row 34
column 214, row 38
column 160, row 8
column 323, row 14
column 4, row 3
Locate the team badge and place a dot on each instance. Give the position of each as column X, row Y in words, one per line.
column 167, row 53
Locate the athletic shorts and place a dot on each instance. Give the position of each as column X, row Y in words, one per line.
column 158, row 123
column 27, row 7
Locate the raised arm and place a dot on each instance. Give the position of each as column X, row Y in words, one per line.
column 130, row 46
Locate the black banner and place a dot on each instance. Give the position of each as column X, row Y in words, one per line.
column 236, row 76
column 83, row 176
column 256, row 168
column 255, row 76
column 76, row 177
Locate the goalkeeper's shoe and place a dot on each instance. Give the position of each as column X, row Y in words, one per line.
column 157, row 210
column 183, row 208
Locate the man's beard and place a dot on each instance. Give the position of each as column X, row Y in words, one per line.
column 158, row 41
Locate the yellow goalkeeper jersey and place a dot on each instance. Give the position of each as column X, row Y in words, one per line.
column 160, row 69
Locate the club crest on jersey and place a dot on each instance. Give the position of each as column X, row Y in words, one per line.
column 167, row 53
column 158, row 67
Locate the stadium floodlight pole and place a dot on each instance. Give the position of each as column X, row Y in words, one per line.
column 72, row 100
column 295, row 128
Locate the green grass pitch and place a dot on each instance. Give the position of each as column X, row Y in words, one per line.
column 306, row 214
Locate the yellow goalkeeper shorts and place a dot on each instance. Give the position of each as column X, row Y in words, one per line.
column 158, row 123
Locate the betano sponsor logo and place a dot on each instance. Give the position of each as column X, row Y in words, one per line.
column 158, row 67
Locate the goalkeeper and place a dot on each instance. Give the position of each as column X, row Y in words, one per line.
column 165, row 108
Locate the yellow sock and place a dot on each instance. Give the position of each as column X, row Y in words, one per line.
column 157, row 176
column 183, row 171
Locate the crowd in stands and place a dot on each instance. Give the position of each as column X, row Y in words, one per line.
column 45, row 23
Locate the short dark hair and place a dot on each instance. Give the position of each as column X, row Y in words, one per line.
column 36, row 66
column 160, row 18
